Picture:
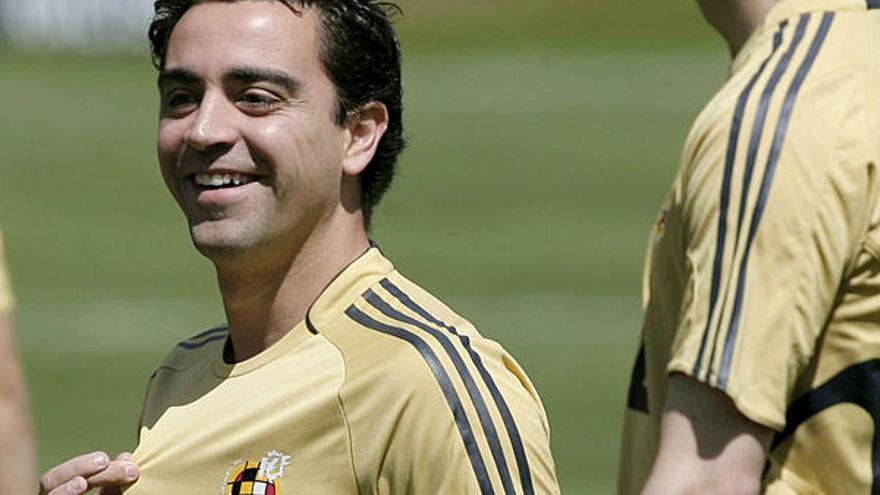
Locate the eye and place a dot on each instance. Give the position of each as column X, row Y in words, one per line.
column 258, row 101
column 178, row 102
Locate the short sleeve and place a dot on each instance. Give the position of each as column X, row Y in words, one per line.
column 768, row 238
column 6, row 299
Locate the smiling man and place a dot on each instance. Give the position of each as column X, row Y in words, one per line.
column 279, row 130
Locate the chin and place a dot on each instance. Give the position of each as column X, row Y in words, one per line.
column 217, row 241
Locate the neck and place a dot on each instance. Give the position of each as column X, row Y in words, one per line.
column 735, row 20
column 268, row 298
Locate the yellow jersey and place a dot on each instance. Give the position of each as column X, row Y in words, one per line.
column 6, row 299
column 381, row 390
column 763, row 270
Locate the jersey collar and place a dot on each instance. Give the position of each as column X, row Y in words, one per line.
column 354, row 280
column 348, row 285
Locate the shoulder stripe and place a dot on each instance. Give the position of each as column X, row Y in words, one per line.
column 449, row 393
column 730, row 159
column 767, row 183
column 761, row 116
column 196, row 345
column 754, row 144
column 522, row 462
column 220, row 329
column 466, row 377
column 213, row 335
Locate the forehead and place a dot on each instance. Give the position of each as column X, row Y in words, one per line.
column 214, row 35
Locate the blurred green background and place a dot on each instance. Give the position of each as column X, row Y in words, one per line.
column 543, row 136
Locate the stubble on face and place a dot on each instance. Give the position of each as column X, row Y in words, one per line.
column 246, row 103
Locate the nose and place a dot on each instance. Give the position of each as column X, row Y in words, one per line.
column 213, row 125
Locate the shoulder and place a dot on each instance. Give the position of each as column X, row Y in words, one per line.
column 405, row 350
column 827, row 77
column 196, row 349
column 395, row 327
column 805, row 78
column 423, row 382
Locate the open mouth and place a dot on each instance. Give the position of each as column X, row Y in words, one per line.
column 222, row 181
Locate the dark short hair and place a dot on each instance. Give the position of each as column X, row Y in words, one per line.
column 360, row 53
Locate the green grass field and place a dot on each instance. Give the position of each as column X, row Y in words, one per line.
column 542, row 142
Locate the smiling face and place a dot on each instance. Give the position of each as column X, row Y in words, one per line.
column 247, row 142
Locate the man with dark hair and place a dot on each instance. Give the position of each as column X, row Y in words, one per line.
column 279, row 128
column 360, row 55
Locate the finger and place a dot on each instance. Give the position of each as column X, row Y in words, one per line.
column 82, row 466
column 115, row 490
column 76, row 486
column 119, row 472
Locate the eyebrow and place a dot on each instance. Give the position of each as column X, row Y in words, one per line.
column 180, row 76
column 238, row 74
column 261, row 74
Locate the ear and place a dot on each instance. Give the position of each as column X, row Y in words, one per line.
column 364, row 129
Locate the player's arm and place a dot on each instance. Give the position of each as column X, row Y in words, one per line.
column 16, row 443
column 17, row 469
column 706, row 444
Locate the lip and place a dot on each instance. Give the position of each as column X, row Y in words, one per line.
column 221, row 197
column 187, row 172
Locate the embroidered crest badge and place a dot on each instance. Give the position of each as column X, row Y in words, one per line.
column 261, row 477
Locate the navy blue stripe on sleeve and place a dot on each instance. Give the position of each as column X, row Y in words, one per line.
column 468, row 380
column 213, row 335
column 730, row 160
column 522, row 461
column 754, row 144
column 212, row 331
column 766, row 184
column 449, row 393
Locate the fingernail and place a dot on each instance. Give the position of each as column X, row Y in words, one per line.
column 130, row 470
column 78, row 485
column 101, row 460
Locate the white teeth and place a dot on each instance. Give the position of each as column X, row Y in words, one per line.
column 221, row 180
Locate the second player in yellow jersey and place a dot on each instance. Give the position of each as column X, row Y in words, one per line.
column 763, row 275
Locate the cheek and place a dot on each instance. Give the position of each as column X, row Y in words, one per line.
column 282, row 136
column 299, row 148
column 169, row 142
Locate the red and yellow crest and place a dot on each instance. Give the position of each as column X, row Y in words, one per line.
column 261, row 477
